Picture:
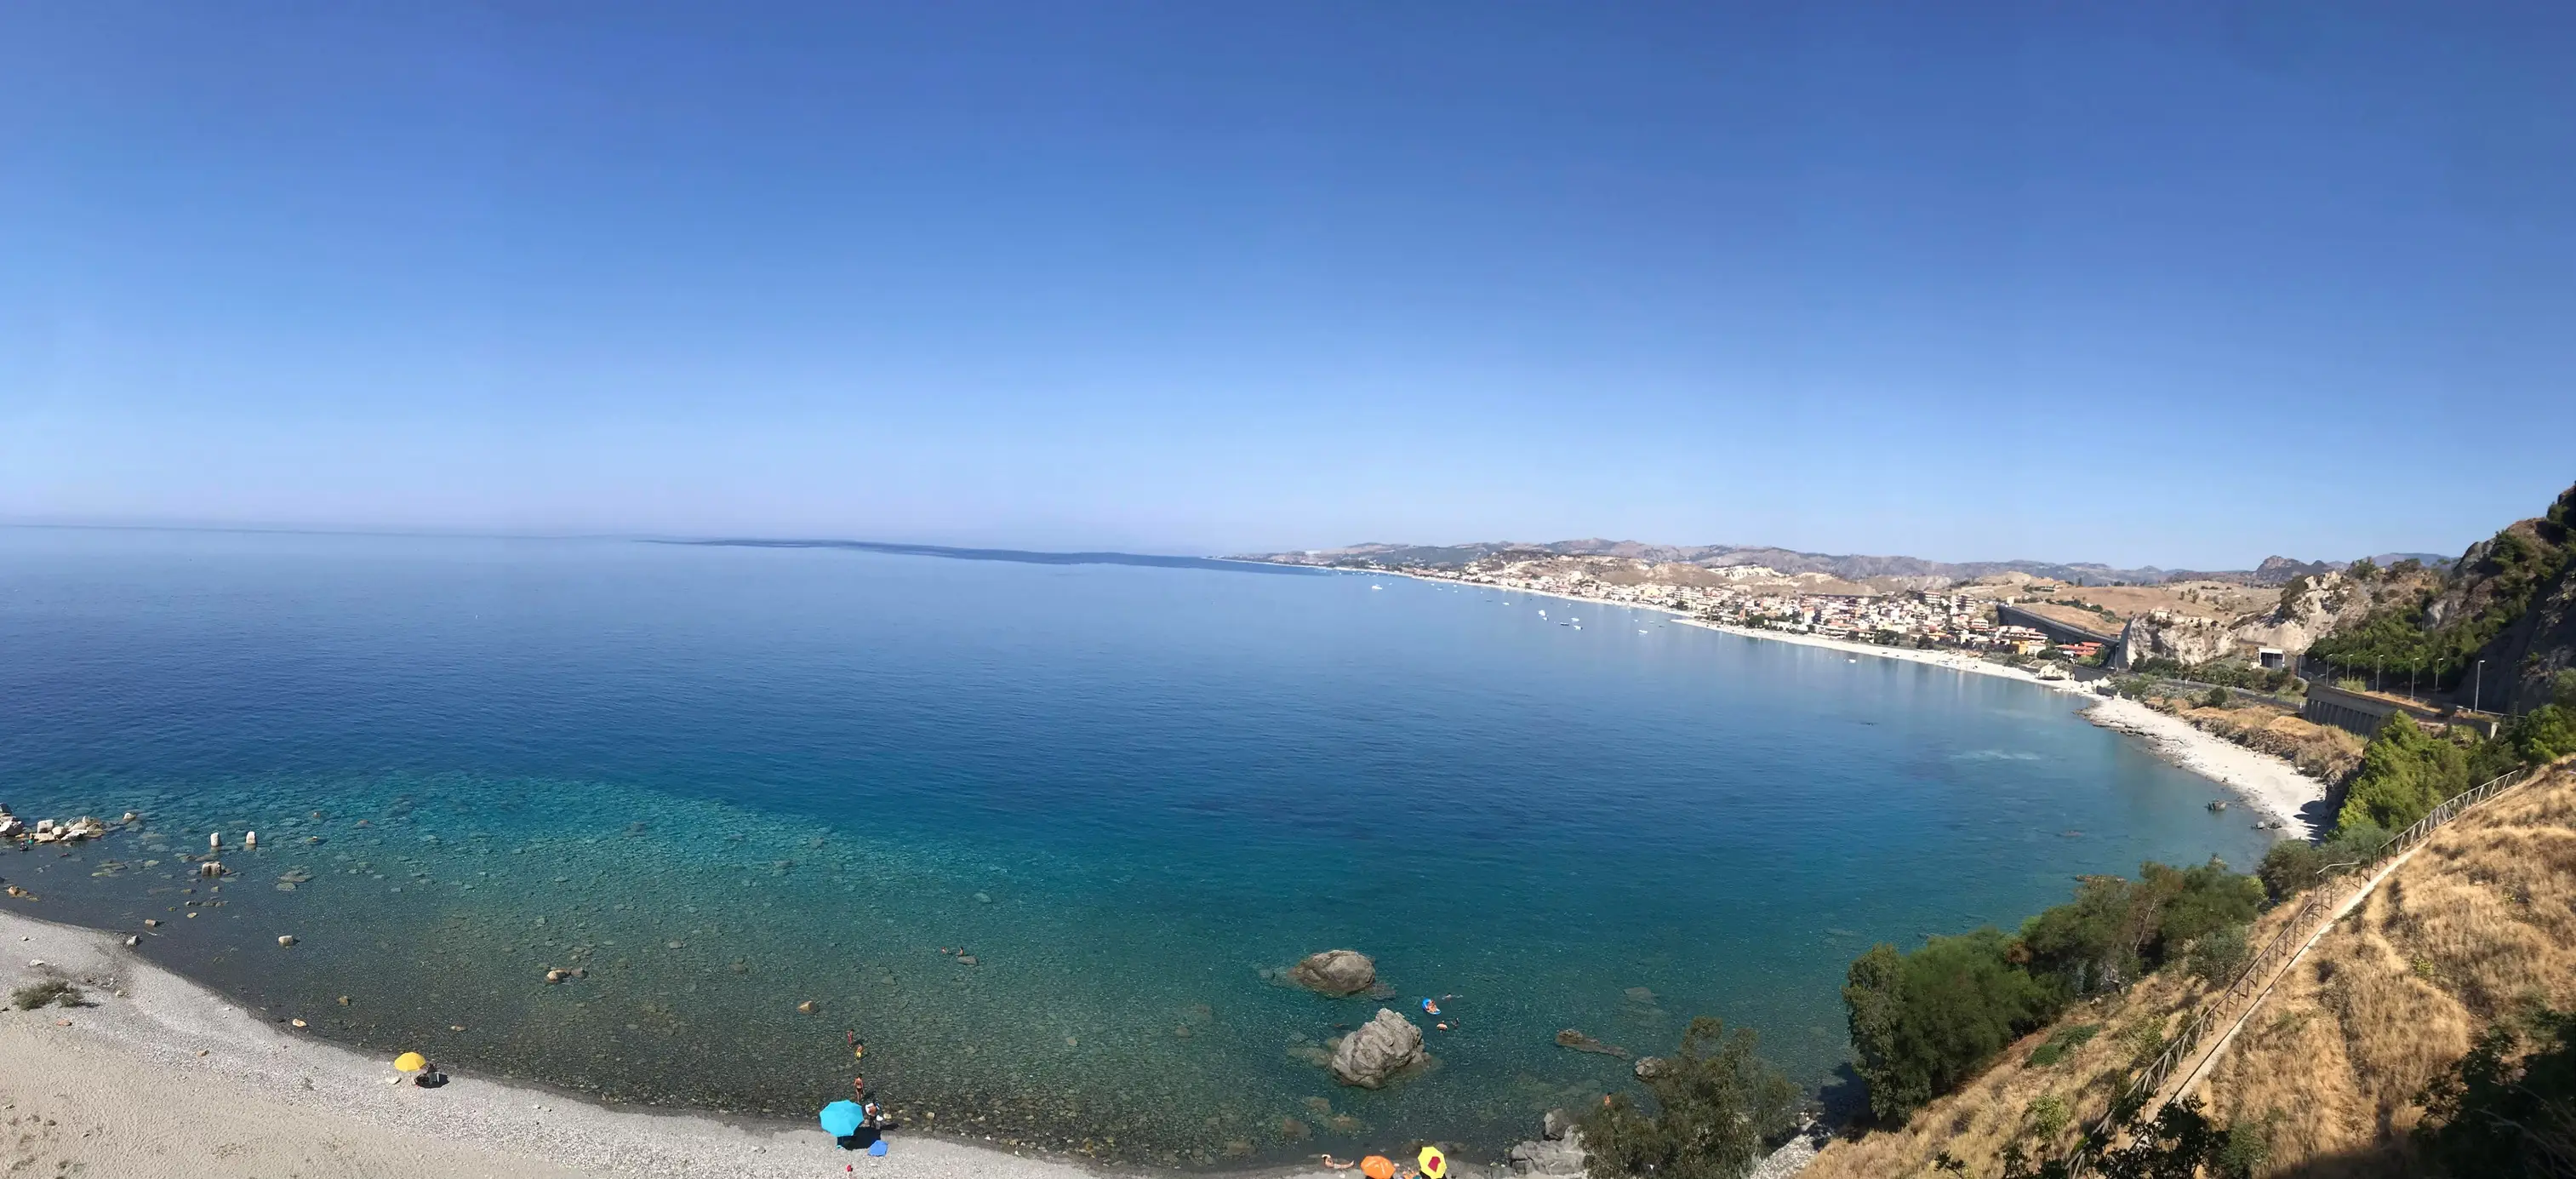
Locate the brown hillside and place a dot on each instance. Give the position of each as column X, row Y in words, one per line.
column 2483, row 917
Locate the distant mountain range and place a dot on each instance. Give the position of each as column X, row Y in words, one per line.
column 2273, row 570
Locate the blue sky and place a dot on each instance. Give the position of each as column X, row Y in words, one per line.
column 2164, row 284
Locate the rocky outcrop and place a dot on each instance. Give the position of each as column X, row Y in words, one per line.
column 1335, row 972
column 2184, row 638
column 1386, row 1045
column 1557, row 1152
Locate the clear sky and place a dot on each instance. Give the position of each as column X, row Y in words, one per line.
column 2164, row 283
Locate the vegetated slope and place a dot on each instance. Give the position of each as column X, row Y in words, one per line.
column 2479, row 924
column 2509, row 601
column 2041, row 1093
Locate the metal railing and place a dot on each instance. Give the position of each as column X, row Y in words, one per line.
column 2131, row 1107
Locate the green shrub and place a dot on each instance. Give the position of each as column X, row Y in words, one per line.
column 2047, row 1116
column 1717, row 1107
column 2217, row 698
column 2217, row 956
column 52, row 990
column 2063, row 1041
column 2292, row 865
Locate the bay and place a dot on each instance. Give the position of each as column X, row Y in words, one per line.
column 726, row 781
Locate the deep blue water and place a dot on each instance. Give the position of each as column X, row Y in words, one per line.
column 728, row 780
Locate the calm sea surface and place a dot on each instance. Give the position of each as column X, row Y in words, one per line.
column 727, row 781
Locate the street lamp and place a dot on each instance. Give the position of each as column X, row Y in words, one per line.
column 2479, row 688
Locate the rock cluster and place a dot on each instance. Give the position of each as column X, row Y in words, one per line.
column 49, row 831
column 1384, row 1046
column 1335, row 972
column 1557, row 1152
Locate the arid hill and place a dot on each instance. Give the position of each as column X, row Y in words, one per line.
column 2480, row 920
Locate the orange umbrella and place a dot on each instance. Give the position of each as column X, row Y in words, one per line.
column 1377, row 1166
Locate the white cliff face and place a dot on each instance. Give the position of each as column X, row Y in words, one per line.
column 2183, row 638
column 2295, row 624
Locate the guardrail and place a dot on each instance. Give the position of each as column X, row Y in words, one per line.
column 2131, row 1107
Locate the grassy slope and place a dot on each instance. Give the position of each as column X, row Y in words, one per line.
column 2484, row 915
column 2480, row 920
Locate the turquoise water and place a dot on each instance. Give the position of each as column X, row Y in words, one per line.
column 727, row 781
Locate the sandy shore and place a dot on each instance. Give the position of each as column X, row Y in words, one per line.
column 2273, row 785
column 162, row 1077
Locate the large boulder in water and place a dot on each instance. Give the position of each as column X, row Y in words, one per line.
column 1384, row 1046
column 1335, row 972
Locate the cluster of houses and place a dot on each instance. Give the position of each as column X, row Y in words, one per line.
column 1753, row 597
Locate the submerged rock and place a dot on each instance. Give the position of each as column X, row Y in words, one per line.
column 1384, row 1046
column 1570, row 1038
column 1335, row 972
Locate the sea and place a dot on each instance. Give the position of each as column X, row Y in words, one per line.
column 1025, row 840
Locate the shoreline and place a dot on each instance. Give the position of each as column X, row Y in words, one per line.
column 2271, row 785
column 236, row 1094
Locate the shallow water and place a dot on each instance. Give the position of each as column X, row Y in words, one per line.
column 726, row 781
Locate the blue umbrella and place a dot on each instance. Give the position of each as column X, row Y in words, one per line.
column 841, row 1118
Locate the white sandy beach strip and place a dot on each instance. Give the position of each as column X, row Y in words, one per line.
column 120, row 1089
column 2273, row 785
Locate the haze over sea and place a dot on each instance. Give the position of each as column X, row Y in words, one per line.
column 725, row 781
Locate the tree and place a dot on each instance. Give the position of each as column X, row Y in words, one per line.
column 2362, row 570
column 1921, row 1023
column 1717, row 1106
column 2543, row 734
column 2405, row 773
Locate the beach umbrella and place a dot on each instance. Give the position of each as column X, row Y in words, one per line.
column 841, row 1118
column 410, row 1062
column 1434, row 1164
column 1378, row 1166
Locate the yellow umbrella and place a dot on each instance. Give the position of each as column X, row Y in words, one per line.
column 1434, row 1164
column 410, row 1062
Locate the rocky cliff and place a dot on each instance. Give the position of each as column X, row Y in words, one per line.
column 2540, row 640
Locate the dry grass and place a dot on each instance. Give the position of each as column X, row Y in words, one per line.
column 2483, row 918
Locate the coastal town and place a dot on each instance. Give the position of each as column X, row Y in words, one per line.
column 1963, row 617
